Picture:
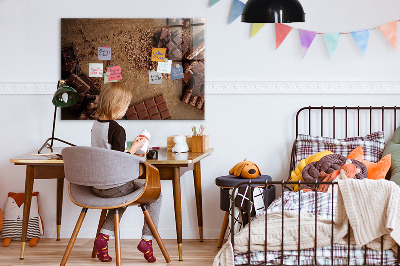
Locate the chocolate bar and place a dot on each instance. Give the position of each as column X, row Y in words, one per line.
column 154, row 109
column 94, row 89
column 175, row 22
column 77, row 83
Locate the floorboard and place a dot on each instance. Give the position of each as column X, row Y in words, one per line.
column 50, row 252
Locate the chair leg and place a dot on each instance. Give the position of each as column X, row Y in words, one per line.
column 117, row 238
column 101, row 222
column 223, row 229
column 154, row 230
column 73, row 237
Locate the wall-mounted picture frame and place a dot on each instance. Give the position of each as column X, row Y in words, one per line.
column 161, row 60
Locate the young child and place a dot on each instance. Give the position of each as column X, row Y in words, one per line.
column 107, row 133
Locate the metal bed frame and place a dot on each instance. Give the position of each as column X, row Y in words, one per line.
column 284, row 184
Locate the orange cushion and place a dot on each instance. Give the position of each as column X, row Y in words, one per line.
column 375, row 170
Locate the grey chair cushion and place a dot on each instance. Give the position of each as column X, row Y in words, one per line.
column 83, row 196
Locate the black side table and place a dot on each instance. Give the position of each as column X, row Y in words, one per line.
column 226, row 183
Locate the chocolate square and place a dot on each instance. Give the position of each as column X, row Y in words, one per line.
column 177, row 53
column 152, row 110
column 171, row 46
column 159, row 99
column 140, row 107
column 142, row 114
column 155, row 117
column 131, row 110
column 162, row 107
column 149, row 103
column 165, row 114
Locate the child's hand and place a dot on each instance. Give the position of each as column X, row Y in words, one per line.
column 137, row 144
column 143, row 155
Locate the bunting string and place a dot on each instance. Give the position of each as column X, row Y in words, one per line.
column 361, row 37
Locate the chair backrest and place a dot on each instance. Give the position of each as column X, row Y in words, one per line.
column 91, row 166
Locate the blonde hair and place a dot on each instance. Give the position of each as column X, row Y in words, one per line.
column 113, row 97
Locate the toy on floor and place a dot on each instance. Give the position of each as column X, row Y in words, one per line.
column 245, row 169
column 13, row 215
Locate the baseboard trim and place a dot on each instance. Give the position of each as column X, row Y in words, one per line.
column 245, row 87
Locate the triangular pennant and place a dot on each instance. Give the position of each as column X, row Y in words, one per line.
column 389, row 30
column 361, row 37
column 332, row 41
column 281, row 31
column 237, row 9
column 213, row 2
column 256, row 28
column 306, row 39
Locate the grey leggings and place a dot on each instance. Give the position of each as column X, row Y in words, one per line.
column 154, row 208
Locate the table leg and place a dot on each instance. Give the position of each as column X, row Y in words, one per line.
column 60, row 190
column 176, row 182
column 27, row 206
column 199, row 204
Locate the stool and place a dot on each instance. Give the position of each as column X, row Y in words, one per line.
column 226, row 183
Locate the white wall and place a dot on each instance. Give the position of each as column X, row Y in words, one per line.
column 259, row 127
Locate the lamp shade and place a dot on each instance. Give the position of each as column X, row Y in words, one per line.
column 273, row 11
column 65, row 96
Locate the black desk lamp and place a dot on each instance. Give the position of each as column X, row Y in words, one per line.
column 273, row 11
column 65, row 96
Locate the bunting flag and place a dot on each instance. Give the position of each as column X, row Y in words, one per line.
column 237, row 9
column 332, row 41
column 256, row 28
column 361, row 37
column 389, row 30
column 281, row 31
column 306, row 39
column 213, row 2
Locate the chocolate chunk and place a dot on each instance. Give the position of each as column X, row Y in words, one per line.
column 193, row 100
column 94, row 89
column 140, row 107
column 187, row 76
column 200, row 103
column 159, row 99
column 177, row 53
column 77, row 83
column 149, row 103
column 131, row 113
column 142, row 114
column 152, row 110
column 165, row 114
column 156, row 116
column 186, row 96
column 162, row 107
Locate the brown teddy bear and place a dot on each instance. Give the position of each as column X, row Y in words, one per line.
column 245, row 169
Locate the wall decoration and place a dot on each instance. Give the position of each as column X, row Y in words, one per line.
column 361, row 37
column 152, row 57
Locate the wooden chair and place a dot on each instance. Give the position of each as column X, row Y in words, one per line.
column 85, row 167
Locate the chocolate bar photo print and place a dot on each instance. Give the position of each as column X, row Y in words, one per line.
column 161, row 60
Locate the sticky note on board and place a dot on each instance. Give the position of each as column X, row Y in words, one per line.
column 164, row 67
column 104, row 53
column 106, row 78
column 115, row 73
column 158, row 54
column 177, row 72
column 155, row 77
column 96, row 70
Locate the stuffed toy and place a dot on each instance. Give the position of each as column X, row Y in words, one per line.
column 375, row 170
column 180, row 144
column 296, row 174
column 348, row 170
column 245, row 169
column 13, row 215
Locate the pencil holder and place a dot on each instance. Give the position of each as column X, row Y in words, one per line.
column 200, row 143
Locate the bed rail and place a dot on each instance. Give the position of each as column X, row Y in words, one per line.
column 265, row 185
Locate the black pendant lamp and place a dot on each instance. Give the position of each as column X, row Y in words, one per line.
column 273, row 11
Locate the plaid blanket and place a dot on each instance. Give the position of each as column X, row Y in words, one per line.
column 323, row 205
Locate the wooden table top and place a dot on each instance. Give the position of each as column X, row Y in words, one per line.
column 164, row 157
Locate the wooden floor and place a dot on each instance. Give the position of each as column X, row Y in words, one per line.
column 50, row 252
